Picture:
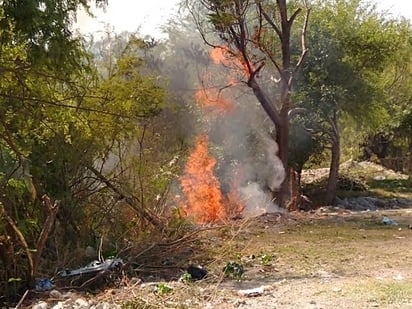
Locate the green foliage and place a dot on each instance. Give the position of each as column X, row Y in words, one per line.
column 58, row 116
column 266, row 259
column 45, row 28
column 233, row 269
column 351, row 48
column 303, row 144
column 186, row 277
column 163, row 288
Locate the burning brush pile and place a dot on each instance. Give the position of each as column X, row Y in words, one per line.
column 248, row 173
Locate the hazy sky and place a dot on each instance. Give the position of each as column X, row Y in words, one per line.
column 150, row 14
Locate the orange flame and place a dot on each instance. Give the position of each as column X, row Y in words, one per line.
column 201, row 187
column 204, row 201
column 211, row 100
column 221, row 55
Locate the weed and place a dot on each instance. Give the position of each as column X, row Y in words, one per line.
column 162, row 288
column 233, row 269
column 186, row 277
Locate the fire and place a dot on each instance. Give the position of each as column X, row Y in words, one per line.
column 221, row 55
column 210, row 100
column 204, row 200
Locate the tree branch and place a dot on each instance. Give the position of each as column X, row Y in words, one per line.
column 21, row 238
column 293, row 17
column 133, row 201
column 271, row 22
column 51, row 211
column 303, row 41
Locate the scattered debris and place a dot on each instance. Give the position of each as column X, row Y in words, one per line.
column 94, row 267
column 197, row 272
column 253, row 292
column 370, row 203
column 388, row 221
column 40, row 305
column 44, row 285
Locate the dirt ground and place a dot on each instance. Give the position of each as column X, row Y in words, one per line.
column 330, row 258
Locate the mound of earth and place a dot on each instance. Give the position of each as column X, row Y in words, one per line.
column 368, row 169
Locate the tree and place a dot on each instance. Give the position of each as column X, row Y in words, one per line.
column 392, row 143
column 59, row 117
column 39, row 62
column 351, row 45
column 257, row 34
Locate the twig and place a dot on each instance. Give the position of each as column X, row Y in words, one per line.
column 99, row 252
column 22, row 299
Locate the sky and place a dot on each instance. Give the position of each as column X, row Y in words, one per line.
column 149, row 15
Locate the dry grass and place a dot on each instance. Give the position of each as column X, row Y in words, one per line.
column 350, row 261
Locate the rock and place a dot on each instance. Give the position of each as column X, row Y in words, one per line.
column 56, row 294
column 40, row 305
column 67, row 295
column 103, row 305
column 81, row 303
column 59, row 305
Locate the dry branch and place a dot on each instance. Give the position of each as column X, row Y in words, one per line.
column 133, row 201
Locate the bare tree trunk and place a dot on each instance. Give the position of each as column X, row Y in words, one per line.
column 282, row 138
column 331, row 189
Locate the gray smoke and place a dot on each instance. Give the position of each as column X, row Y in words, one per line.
column 247, row 153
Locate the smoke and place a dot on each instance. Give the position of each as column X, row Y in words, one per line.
column 247, row 155
column 257, row 202
column 275, row 173
column 269, row 174
column 240, row 137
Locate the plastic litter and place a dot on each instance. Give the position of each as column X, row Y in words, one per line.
column 197, row 272
column 253, row 292
column 388, row 221
column 44, row 285
column 93, row 267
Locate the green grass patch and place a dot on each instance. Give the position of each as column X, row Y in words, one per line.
column 383, row 293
